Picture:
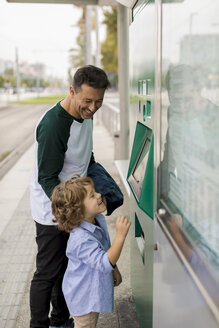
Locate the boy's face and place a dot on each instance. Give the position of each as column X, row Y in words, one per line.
column 93, row 203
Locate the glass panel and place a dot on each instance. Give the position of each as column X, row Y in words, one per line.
column 190, row 122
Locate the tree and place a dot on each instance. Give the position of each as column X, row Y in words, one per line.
column 2, row 81
column 10, row 77
column 109, row 47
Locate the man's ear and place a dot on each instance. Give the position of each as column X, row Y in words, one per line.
column 72, row 90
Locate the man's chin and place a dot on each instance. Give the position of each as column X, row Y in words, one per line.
column 86, row 116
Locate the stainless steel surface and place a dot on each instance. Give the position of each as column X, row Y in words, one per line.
column 177, row 299
column 157, row 102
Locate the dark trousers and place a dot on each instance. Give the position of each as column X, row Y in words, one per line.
column 46, row 286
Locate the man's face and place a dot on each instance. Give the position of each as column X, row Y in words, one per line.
column 86, row 101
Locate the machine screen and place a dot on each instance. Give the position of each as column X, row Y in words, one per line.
column 137, row 175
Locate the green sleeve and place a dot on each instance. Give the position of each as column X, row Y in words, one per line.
column 52, row 145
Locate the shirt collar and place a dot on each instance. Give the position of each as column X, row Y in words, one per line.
column 88, row 226
column 64, row 111
column 91, row 227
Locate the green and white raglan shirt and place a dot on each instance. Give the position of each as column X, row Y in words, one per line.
column 63, row 147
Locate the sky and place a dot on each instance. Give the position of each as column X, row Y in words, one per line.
column 41, row 32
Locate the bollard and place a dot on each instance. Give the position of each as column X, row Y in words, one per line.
column 116, row 138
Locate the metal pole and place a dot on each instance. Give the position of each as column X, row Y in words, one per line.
column 97, row 63
column 97, row 59
column 38, row 80
column 123, row 63
column 87, row 48
column 17, row 74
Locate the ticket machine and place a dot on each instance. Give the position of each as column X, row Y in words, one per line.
column 173, row 172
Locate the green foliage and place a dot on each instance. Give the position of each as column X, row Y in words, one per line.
column 4, row 155
column 9, row 72
column 2, row 81
column 109, row 47
column 8, row 78
column 26, row 81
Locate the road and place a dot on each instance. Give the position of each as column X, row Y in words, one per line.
column 17, row 124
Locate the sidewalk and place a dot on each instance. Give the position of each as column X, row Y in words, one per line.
column 17, row 243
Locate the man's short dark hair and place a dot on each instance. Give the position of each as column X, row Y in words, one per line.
column 91, row 75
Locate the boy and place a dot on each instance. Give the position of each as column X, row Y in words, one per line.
column 91, row 271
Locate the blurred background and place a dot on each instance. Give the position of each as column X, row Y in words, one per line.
column 41, row 45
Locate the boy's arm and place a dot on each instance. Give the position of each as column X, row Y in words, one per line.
column 89, row 252
column 117, row 276
column 122, row 228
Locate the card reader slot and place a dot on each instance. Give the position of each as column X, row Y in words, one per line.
column 140, row 238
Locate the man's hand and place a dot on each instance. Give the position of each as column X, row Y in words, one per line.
column 117, row 277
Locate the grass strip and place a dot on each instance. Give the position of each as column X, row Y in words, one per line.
column 52, row 99
column 4, row 155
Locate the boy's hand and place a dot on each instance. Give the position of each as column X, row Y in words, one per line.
column 122, row 226
column 117, row 277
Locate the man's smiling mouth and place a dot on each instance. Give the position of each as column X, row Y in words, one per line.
column 87, row 111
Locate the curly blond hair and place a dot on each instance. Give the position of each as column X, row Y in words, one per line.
column 68, row 202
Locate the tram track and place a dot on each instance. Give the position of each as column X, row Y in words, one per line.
column 8, row 162
column 17, row 125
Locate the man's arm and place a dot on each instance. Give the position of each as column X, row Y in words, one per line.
column 51, row 152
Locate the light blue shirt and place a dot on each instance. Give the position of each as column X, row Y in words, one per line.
column 88, row 280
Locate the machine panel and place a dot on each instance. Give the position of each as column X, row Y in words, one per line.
column 141, row 166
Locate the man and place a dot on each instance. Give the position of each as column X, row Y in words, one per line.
column 63, row 147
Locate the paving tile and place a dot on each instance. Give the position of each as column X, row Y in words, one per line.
column 17, row 299
column 10, row 323
column 5, row 312
column 13, row 312
column 2, row 323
